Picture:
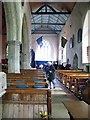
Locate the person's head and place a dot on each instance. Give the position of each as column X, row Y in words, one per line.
column 49, row 63
column 41, row 66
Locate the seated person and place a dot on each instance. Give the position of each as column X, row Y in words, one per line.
column 67, row 67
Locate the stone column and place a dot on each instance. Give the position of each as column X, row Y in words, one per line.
column 0, row 51
column 0, row 108
column 13, row 56
column 26, row 46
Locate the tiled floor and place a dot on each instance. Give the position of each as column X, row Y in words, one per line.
column 59, row 95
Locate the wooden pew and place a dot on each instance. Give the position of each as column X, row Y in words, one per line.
column 66, row 75
column 78, row 110
column 68, row 71
column 27, row 84
column 85, row 93
column 32, row 70
column 27, row 78
column 22, row 76
column 62, row 74
column 75, row 80
column 31, row 74
column 36, row 72
column 21, row 80
column 76, row 77
column 26, row 103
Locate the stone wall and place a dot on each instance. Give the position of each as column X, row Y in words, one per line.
column 75, row 21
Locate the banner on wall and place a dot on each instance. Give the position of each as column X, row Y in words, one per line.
column 63, row 42
column 39, row 41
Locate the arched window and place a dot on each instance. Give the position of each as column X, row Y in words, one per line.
column 43, row 53
column 7, row 51
column 75, row 62
column 64, row 54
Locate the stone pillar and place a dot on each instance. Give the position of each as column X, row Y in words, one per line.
column 26, row 55
column 0, row 108
column 13, row 56
column 0, row 51
column 25, row 59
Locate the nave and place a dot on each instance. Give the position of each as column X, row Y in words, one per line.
column 56, row 32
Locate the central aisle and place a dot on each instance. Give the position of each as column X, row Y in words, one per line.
column 59, row 95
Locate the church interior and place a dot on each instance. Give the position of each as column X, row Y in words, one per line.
column 33, row 34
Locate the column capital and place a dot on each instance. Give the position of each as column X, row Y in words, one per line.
column 14, row 42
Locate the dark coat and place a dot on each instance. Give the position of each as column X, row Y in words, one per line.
column 51, row 73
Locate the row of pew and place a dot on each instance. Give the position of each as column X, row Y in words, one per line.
column 77, row 82
column 27, row 95
column 27, row 79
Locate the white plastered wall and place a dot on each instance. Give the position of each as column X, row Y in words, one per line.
column 53, row 42
column 75, row 21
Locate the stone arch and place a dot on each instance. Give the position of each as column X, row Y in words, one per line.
column 26, row 37
column 75, row 61
column 25, row 55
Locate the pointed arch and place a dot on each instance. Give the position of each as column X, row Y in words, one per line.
column 24, row 46
column 44, row 51
column 75, row 61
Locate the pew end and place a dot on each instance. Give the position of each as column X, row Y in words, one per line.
column 31, row 99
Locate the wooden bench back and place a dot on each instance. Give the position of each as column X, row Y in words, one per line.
column 86, row 94
column 35, row 100
column 73, row 79
column 37, row 71
column 62, row 73
column 26, row 74
column 59, row 72
column 26, row 81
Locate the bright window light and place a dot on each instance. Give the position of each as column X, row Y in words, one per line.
column 43, row 53
column 85, row 38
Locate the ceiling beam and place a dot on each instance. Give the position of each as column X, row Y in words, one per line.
column 46, row 8
column 45, row 13
column 48, row 23
column 44, row 33
column 47, row 30
column 39, row 11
